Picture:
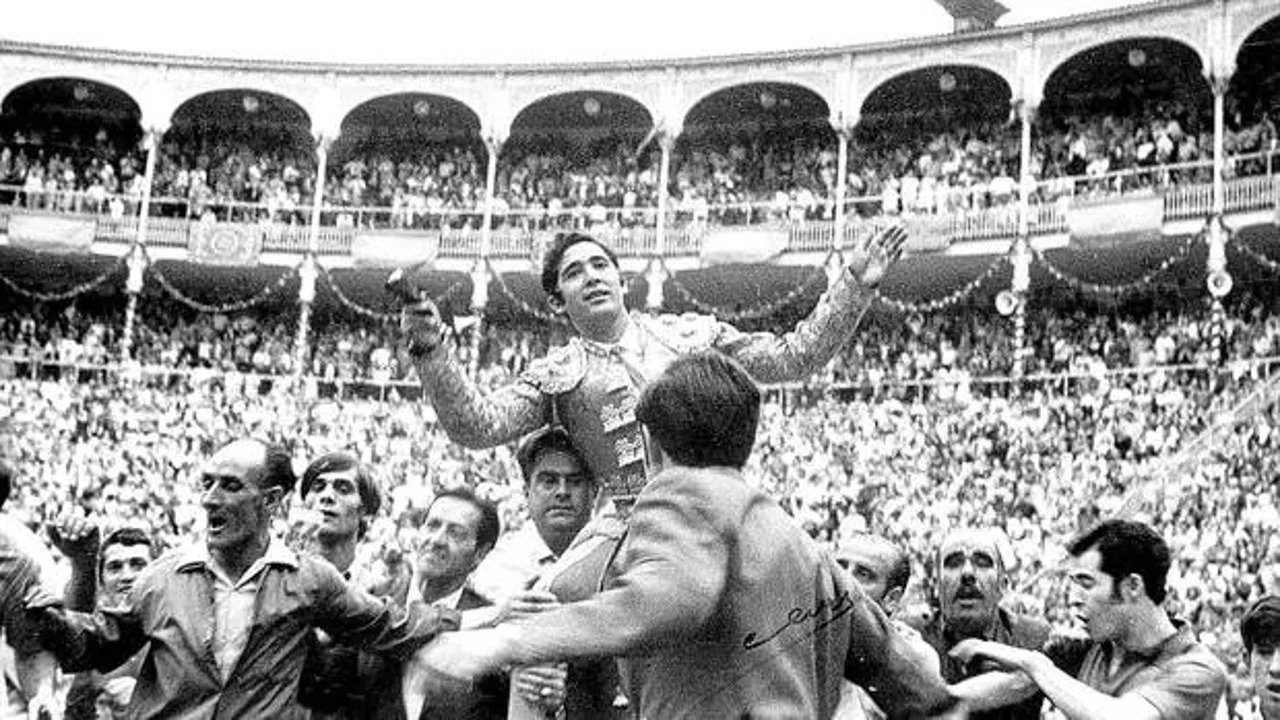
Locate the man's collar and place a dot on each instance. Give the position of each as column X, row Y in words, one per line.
column 537, row 548
column 1175, row 643
column 629, row 340
column 196, row 556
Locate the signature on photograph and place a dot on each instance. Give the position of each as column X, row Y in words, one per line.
column 822, row 614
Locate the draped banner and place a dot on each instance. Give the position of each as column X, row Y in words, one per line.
column 45, row 233
column 224, row 244
column 725, row 246
column 385, row 250
column 1116, row 221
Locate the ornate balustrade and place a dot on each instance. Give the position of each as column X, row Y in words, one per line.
column 460, row 237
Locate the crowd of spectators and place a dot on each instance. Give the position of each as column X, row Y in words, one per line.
column 862, row 447
column 1040, row 464
column 785, row 174
column 950, row 349
column 972, row 343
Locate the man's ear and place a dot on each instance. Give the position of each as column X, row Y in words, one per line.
column 274, row 497
column 556, row 303
column 1132, row 587
column 892, row 601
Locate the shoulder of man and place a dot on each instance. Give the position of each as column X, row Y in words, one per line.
column 714, row 491
column 559, row 371
column 1197, row 653
column 1027, row 631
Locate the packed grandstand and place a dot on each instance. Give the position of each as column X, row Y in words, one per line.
column 1118, row 375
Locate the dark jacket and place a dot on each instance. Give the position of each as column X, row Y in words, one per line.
column 488, row 697
column 1010, row 629
column 720, row 606
column 171, row 607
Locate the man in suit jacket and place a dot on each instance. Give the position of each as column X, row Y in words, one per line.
column 459, row 531
column 718, row 603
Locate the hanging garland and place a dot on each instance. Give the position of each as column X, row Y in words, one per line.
column 369, row 312
column 1257, row 257
column 767, row 310
column 1098, row 289
column 525, row 307
column 231, row 307
column 74, row 292
column 946, row 301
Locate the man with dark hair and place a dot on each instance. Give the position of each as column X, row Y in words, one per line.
column 1260, row 630
column 101, row 577
column 882, row 569
column 972, row 580
column 560, row 494
column 1138, row 664
column 339, row 682
column 718, row 604
column 19, row 577
column 343, row 495
column 226, row 621
column 591, row 384
column 458, row 532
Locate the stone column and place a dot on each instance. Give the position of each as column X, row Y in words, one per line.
column 307, row 275
column 493, row 144
column 667, row 142
column 323, row 143
column 842, row 172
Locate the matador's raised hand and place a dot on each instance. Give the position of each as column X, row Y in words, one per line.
column 420, row 319
column 871, row 259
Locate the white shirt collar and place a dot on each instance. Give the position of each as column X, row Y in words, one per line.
column 196, row 556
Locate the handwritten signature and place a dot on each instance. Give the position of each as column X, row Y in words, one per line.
column 823, row 614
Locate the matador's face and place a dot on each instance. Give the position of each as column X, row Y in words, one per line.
column 590, row 285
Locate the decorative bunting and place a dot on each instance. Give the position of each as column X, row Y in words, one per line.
column 949, row 300
column 521, row 305
column 1256, row 256
column 761, row 312
column 231, row 307
column 369, row 312
column 68, row 294
column 1142, row 282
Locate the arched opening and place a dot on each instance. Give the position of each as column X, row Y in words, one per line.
column 69, row 143
column 409, row 160
column 580, row 159
column 753, row 153
column 1253, row 102
column 1114, row 112
column 934, row 140
column 239, row 154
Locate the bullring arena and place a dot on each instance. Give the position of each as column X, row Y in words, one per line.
column 1084, row 322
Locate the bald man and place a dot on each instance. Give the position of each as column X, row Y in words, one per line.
column 227, row 621
column 972, row 580
column 882, row 569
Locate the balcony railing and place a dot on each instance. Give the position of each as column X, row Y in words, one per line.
column 1185, row 188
